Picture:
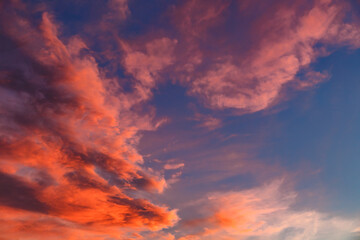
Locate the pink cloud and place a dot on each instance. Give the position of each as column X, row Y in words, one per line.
column 119, row 8
column 145, row 65
column 195, row 17
column 264, row 212
column 173, row 166
column 207, row 121
column 283, row 44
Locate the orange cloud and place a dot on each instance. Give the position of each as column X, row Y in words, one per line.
column 264, row 212
column 68, row 137
column 69, row 165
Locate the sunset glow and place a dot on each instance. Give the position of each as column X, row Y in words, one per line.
column 179, row 120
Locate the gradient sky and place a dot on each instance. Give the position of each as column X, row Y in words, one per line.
column 179, row 119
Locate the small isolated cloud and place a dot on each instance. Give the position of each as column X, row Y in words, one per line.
column 176, row 169
column 173, row 166
column 207, row 121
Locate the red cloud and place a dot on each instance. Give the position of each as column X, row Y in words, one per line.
column 67, row 136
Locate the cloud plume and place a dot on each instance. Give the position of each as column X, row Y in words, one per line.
column 67, row 133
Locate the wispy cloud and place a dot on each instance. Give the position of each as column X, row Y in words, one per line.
column 173, row 166
column 263, row 212
column 283, row 43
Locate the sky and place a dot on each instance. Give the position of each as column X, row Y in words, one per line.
column 179, row 120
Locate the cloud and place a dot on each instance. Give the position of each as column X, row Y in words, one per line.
column 145, row 65
column 251, row 74
column 152, row 236
column 18, row 194
column 70, row 168
column 229, row 64
column 119, row 9
column 207, row 121
column 264, row 212
column 195, row 17
column 174, row 166
column 68, row 135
